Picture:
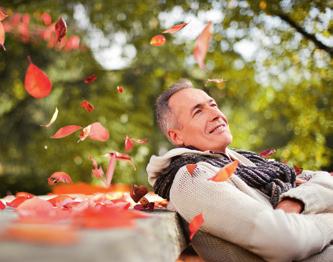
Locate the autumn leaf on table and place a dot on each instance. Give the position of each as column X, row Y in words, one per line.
column 2, row 205
column 224, row 173
column 24, row 194
column 195, row 224
column 2, row 37
column 35, row 207
column 87, row 106
column 60, row 28
column 95, row 131
column 61, row 200
column 190, row 168
column 36, row 82
column 66, row 131
column 129, row 142
column 201, row 45
column 3, row 14
column 120, row 89
column 89, row 79
column 298, row 170
column 59, row 177
column 20, row 197
column 157, row 40
column 54, row 234
column 267, row 153
column 137, row 192
column 53, row 119
column 175, row 28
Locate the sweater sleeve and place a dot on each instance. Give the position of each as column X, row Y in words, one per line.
column 236, row 217
column 316, row 193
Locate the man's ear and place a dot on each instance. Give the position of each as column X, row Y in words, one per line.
column 175, row 137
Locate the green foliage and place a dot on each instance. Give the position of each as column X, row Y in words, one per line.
column 280, row 96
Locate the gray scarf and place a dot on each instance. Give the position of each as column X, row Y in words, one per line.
column 270, row 177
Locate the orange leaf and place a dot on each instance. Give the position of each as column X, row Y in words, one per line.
column 267, row 153
column 42, row 234
column 95, row 131
column 17, row 201
column 36, row 82
column 58, row 177
column 87, row 106
column 90, row 79
column 66, row 131
column 175, row 28
column 201, row 45
column 190, row 168
column 120, row 89
column 195, row 224
column 2, row 37
column 224, row 173
column 3, row 14
column 80, row 188
column 60, row 200
column 60, row 28
column 157, row 40
column 24, row 194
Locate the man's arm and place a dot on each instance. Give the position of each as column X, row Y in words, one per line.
column 236, row 217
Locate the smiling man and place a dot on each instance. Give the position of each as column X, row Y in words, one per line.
column 259, row 208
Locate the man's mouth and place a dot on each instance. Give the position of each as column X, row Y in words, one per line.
column 220, row 127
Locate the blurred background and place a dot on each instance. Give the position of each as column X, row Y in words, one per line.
column 275, row 58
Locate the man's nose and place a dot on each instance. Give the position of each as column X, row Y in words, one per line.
column 215, row 114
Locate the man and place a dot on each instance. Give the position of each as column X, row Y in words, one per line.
column 259, row 208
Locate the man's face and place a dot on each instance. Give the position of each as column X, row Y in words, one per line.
column 201, row 123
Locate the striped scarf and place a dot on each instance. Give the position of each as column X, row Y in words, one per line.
column 270, row 177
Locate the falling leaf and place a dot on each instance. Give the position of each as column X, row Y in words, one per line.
column 36, row 82
column 158, row 40
column 267, row 153
column 96, row 171
column 129, row 142
column 201, row 45
column 2, row 205
column 175, row 28
column 224, row 173
column 121, row 156
column 87, row 106
column 120, row 89
column 2, row 37
column 219, row 82
column 46, row 18
column 54, row 118
column 95, row 131
column 110, row 170
column 60, row 28
column 195, row 224
column 90, row 79
column 137, row 192
column 298, row 170
column 59, row 177
column 190, row 168
column 42, row 234
column 3, row 14
column 66, row 131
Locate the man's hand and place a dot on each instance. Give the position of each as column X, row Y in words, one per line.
column 291, row 205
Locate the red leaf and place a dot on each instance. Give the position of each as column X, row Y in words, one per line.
column 175, row 28
column 90, row 79
column 35, row 207
column 42, row 234
column 36, row 82
column 95, row 131
column 110, row 170
column 66, row 131
column 87, row 106
column 267, row 153
column 2, row 205
column 17, row 201
column 61, row 200
column 24, row 194
column 3, row 14
column 96, row 171
column 58, row 177
column 224, row 173
column 128, row 143
column 2, row 37
column 137, row 192
column 201, row 45
column 60, row 28
column 120, row 89
column 46, row 18
column 121, row 156
column 157, row 40
column 190, row 168
column 298, row 170
column 195, row 224
column 149, row 207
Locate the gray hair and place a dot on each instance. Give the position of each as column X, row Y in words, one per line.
column 164, row 116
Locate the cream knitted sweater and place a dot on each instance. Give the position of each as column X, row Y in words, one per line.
column 243, row 215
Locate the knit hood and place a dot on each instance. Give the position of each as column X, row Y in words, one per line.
column 158, row 163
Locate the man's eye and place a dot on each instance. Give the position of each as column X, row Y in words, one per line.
column 214, row 105
column 196, row 112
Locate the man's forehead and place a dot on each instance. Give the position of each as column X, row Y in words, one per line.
column 187, row 98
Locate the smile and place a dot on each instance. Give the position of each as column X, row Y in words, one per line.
column 220, row 128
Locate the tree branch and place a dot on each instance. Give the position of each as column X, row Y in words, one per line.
column 307, row 35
